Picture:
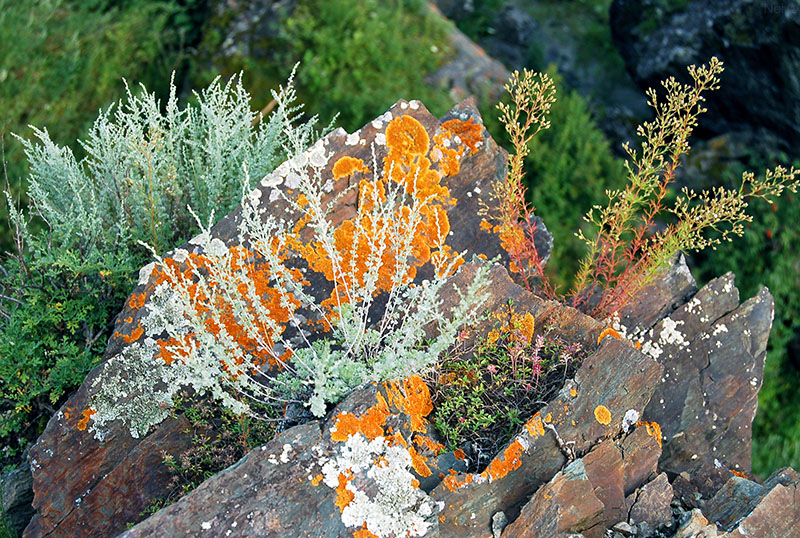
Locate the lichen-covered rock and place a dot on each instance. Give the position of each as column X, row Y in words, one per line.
column 769, row 510
column 754, row 38
column 587, row 496
column 76, row 475
column 713, row 352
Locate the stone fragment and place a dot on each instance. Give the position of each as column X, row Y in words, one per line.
column 695, row 526
column 743, row 508
column 567, row 503
column 625, row 529
column 650, row 503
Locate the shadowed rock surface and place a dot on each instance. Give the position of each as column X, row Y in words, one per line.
column 758, row 40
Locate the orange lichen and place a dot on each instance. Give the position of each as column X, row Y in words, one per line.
column 343, row 495
column 418, row 462
column 739, row 474
column 136, row 301
column 511, row 460
column 608, row 332
column 535, row 426
column 347, row 165
column 135, row 334
column 413, row 398
column 653, row 430
column 468, row 131
column 573, row 392
column 459, row 454
column 84, row 422
column 425, row 442
column 453, row 482
column 548, row 418
column 316, row 480
column 602, row 415
column 370, row 424
column 364, row 533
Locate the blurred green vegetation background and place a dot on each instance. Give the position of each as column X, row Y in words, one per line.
column 63, row 60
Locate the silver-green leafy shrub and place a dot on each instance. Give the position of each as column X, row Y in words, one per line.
column 240, row 324
column 145, row 161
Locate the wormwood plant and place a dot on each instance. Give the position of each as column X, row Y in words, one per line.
column 628, row 250
column 239, row 323
column 143, row 164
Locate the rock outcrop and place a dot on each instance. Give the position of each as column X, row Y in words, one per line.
column 655, row 422
column 756, row 39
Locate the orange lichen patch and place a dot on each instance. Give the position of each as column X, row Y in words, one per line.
column 316, row 480
column 653, row 430
column 370, row 424
column 453, row 482
column 364, row 533
column 128, row 319
column 549, row 417
column 347, row 165
column 343, row 495
column 136, row 301
column 485, row 226
column 739, row 474
column 638, row 345
column 459, row 454
column 407, row 137
column 526, row 326
column 413, row 398
column 602, row 415
column 573, row 392
column 425, row 442
column 84, row 422
column 135, row 334
column 418, row 462
column 535, row 426
column 468, row 131
column 608, row 332
column 511, row 459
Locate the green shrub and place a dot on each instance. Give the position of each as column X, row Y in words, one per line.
column 63, row 60
column 357, row 57
column 142, row 167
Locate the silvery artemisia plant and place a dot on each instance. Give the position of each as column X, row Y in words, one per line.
column 226, row 323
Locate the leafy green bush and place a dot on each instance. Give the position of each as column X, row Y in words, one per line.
column 358, row 57
column 142, row 167
column 488, row 385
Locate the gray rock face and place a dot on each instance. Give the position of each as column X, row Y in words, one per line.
column 758, row 40
column 16, row 490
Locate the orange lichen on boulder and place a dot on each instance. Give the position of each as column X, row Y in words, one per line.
column 602, row 415
column 535, row 426
column 413, row 398
column 370, row 424
column 84, row 422
column 608, row 332
column 653, row 430
column 364, row 533
column 469, row 132
column 511, row 459
column 347, row 166
column 453, row 482
column 343, row 495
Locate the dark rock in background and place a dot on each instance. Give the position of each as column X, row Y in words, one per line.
column 16, row 490
column 758, row 40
